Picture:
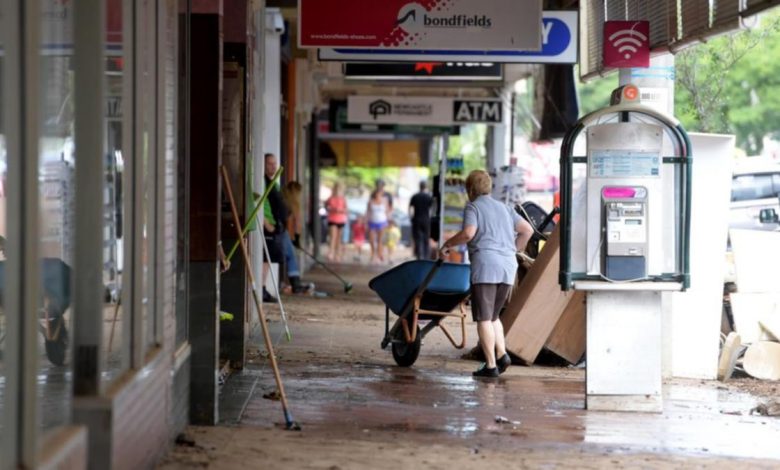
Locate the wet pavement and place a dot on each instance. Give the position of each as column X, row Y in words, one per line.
column 54, row 383
column 341, row 384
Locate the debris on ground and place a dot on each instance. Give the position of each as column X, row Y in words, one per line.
column 185, row 440
column 503, row 420
column 770, row 408
column 275, row 396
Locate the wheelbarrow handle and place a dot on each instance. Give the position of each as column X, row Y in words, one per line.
column 429, row 277
column 421, row 288
column 409, row 307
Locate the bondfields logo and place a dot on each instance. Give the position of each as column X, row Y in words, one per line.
column 413, row 17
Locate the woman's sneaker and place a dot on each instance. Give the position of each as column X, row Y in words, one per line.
column 503, row 362
column 485, row 371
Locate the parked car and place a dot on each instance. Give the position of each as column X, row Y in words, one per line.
column 755, row 195
column 755, row 202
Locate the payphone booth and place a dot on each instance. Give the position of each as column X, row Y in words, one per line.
column 625, row 224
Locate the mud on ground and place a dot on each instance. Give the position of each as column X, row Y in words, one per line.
column 358, row 410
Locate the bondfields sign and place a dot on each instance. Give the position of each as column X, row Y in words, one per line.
column 422, row 24
column 559, row 33
column 423, row 111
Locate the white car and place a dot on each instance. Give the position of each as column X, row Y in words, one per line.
column 755, row 195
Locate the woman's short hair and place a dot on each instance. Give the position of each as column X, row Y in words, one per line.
column 478, row 183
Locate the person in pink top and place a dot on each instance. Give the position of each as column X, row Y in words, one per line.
column 336, row 205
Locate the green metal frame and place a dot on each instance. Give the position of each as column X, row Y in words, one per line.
column 683, row 158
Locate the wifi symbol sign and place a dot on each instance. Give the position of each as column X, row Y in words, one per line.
column 626, row 44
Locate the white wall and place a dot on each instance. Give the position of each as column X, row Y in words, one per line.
column 692, row 327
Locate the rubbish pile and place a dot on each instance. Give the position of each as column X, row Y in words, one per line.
column 751, row 327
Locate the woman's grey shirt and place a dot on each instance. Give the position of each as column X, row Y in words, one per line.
column 492, row 250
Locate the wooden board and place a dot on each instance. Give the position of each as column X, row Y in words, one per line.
column 728, row 356
column 771, row 327
column 567, row 339
column 536, row 305
column 762, row 360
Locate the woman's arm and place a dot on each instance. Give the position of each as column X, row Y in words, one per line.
column 298, row 223
column 460, row 238
column 524, row 233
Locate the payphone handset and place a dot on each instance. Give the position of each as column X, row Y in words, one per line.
column 625, row 233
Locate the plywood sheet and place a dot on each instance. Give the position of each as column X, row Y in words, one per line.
column 536, row 306
column 762, row 360
column 567, row 339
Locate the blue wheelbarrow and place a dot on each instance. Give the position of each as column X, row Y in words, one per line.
column 421, row 292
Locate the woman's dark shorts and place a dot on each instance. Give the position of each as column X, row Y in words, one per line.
column 487, row 300
column 334, row 224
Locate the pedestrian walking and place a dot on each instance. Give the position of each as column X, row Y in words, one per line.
column 420, row 212
column 494, row 233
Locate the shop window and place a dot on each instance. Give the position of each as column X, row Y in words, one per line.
column 3, row 233
column 146, row 153
column 182, row 174
column 116, row 349
column 56, row 176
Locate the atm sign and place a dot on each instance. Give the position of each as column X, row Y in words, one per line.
column 477, row 111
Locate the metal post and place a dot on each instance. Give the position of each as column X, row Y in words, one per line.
column 443, row 144
column 88, row 63
column 258, row 122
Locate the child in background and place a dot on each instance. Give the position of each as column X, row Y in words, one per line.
column 359, row 236
column 392, row 237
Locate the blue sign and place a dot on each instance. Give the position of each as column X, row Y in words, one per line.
column 559, row 46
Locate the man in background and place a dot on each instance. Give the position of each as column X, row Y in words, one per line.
column 420, row 212
column 274, row 224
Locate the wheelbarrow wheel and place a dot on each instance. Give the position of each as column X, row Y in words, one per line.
column 405, row 354
column 57, row 348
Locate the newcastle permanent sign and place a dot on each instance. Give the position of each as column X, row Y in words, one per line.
column 429, row 111
column 421, row 24
column 559, row 33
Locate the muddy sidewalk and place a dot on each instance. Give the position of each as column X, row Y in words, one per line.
column 359, row 410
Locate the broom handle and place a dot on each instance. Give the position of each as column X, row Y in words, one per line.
column 258, row 305
column 255, row 211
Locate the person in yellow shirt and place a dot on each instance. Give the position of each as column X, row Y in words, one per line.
column 392, row 237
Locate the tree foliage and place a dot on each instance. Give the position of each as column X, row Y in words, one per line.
column 727, row 85
column 595, row 94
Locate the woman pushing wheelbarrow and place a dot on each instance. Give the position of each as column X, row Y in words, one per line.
column 494, row 233
column 424, row 291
